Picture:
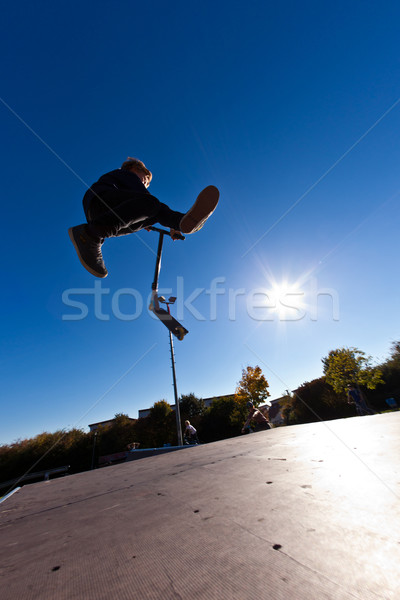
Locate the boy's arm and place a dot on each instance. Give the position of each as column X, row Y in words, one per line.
column 247, row 422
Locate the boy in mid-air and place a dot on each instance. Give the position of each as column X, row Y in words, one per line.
column 119, row 203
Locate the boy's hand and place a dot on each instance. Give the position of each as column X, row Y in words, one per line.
column 175, row 234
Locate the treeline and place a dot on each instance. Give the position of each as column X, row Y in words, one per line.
column 326, row 398
column 321, row 399
column 81, row 450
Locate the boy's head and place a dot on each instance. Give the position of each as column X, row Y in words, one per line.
column 136, row 166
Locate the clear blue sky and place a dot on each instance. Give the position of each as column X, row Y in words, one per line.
column 288, row 108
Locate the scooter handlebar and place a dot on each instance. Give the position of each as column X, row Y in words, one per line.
column 177, row 236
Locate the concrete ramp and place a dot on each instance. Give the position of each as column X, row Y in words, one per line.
column 309, row 512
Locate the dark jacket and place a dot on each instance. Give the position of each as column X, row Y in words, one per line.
column 118, row 179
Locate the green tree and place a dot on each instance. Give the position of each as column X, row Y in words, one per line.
column 391, row 375
column 191, row 407
column 350, row 366
column 46, row 451
column 393, row 362
column 144, row 432
column 160, row 411
column 116, row 436
column 317, row 401
column 217, row 423
column 162, row 422
column 286, row 407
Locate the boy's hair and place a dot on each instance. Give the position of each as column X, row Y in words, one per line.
column 137, row 164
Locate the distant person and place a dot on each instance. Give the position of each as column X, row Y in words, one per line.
column 119, row 203
column 133, row 446
column 190, row 433
column 356, row 397
column 256, row 416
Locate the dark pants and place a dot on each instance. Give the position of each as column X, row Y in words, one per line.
column 262, row 426
column 363, row 409
column 193, row 439
column 117, row 212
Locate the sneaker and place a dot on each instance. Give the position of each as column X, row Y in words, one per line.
column 88, row 251
column 201, row 210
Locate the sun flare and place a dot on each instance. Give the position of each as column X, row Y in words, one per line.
column 287, row 300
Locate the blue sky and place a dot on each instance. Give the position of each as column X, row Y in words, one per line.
column 291, row 109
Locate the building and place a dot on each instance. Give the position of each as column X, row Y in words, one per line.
column 274, row 413
column 144, row 412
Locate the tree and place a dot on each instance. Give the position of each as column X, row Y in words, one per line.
column 116, row 436
column 163, row 423
column 391, row 375
column 158, row 428
column 394, row 361
column 217, row 423
column 350, row 366
column 252, row 387
column 286, row 407
column 160, row 411
column 190, row 407
column 316, row 401
column 46, row 451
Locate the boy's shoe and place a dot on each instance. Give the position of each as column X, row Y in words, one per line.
column 201, row 210
column 88, row 251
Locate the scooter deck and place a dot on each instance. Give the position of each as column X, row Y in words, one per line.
column 170, row 323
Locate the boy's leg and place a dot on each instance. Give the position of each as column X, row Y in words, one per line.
column 262, row 426
column 122, row 212
column 116, row 213
column 201, row 210
column 366, row 409
column 88, row 250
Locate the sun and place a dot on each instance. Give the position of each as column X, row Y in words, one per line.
column 287, row 300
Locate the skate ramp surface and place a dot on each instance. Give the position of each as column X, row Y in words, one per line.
column 303, row 512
